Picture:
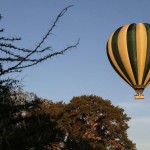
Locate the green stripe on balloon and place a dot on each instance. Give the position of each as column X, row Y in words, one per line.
column 131, row 45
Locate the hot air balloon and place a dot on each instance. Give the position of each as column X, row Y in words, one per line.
column 128, row 50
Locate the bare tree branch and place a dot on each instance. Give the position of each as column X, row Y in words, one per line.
column 1, row 30
column 10, row 39
column 48, row 56
column 21, row 58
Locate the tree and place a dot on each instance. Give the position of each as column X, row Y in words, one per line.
column 19, row 118
column 28, row 122
column 37, row 130
column 96, row 121
column 87, row 122
column 21, row 58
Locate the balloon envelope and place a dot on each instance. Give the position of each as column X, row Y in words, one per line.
column 128, row 50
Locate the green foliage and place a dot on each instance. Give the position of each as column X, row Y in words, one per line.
column 24, row 123
column 86, row 123
column 97, row 121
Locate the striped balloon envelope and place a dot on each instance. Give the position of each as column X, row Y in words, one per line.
column 128, row 50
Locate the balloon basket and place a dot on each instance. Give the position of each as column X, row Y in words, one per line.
column 138, row 97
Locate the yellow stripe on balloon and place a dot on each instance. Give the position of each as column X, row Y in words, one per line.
column 123, row 52
column 141, row 44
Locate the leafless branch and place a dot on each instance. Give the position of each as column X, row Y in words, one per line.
column 10, row 39
column 21, row 58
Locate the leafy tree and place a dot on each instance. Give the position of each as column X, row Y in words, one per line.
column 86, row 123
column 25, row 123
column 96, row 121
column 11, row 114
column 37, row 130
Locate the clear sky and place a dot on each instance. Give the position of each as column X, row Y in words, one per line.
column 85, row 70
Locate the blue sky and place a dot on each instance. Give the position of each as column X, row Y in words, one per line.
column 86, row 69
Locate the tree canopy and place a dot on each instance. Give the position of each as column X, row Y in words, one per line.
column 97, row 121
column 86, row 122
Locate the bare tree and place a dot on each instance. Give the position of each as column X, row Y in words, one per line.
column 15, row 59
